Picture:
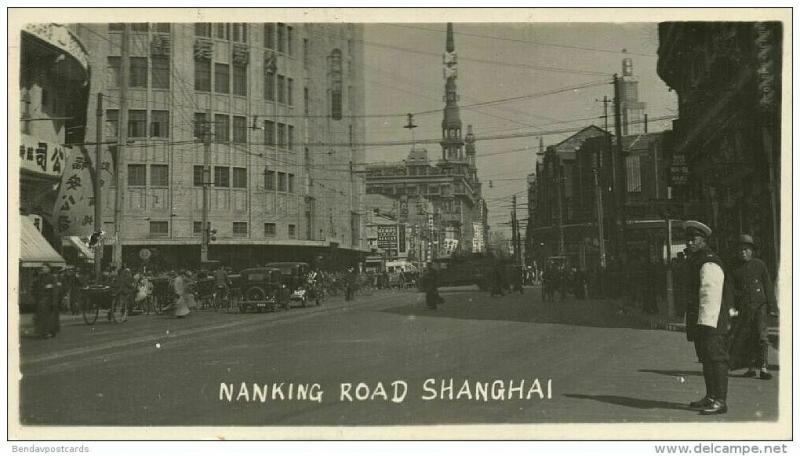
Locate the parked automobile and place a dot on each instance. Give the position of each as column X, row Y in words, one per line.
column 294, row 275
column 262, row 289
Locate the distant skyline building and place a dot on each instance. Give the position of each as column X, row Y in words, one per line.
column 632, row 110
column 450, row 183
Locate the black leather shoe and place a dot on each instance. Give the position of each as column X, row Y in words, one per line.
column 749, row 373
column 716, row 408
column 702, row 403
column 764, row 375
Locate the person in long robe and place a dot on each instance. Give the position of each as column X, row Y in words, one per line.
column 47, row 295
column 185, row 297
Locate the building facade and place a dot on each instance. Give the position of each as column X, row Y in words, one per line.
column 450, row 182
column 54, row 78
column 728, row 79
column 281, row 105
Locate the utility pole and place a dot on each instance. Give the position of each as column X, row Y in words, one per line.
column 598, row 196
column 559, row 181
column 619, row 183
column 206, row 186
column 670, row 289
column 98, row 203
column 122, row 140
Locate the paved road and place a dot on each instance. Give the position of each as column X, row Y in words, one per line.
column 601, row 366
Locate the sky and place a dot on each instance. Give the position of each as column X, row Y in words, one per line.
column 543, row 65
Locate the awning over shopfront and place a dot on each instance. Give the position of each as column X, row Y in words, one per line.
column 34, row 248
column 84, row 251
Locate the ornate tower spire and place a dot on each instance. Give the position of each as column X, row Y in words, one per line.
column 452, row 143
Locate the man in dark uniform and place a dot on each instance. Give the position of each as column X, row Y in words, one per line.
column 707, row 317
column 755, row 299
column 430, row 283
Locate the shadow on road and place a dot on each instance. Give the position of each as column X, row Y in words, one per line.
column 631, row 402
column 673, row 373
column 527, row 308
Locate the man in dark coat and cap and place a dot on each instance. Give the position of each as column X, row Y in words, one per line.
column 755, row 300
column 709, row 297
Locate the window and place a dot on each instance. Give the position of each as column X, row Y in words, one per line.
column 221, row 78
column 222, row 31
column 292, row 231
column 137, row 175
column 269, row 229
column 269, row 180
column 240, row 229
column 240, row 80
column 238, row 34
column 159, row 176
column 161, row 28
column 290, row 138
column 281, row 135
column 160, row 72
column 116, row 27
column 289, row 90
column 137, row 123
column 239, row 129
column 197, row 227
column 112, row 121
column 269, row 133
column 291, row 183
column 114, row 72
column 159, row 228
column 281, row 88
column 202, row 75
column 200, row 125
column 281, row 182
column 269, row 36
column 336, row 84
column 159, row 124
column 221, row 127
column 633, row 173
column 269, row 86
column 281, row 31
column 239, row 177
column 202, row 29
column 289, row 45
column 139, row 27
column 138, row 73
column 198, row 176
column 305, row 101
column 222, row 176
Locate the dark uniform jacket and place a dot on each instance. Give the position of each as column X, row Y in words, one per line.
column 753, row 286
column 696, row 262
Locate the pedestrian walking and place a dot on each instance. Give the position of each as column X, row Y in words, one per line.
column 430, row 283
column 497, row 279
column 185, row 298
column 349, row 284
column 754, row 301
column 707, row 317
column 46, row 319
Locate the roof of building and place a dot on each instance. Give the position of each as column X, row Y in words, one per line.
column 566, row 148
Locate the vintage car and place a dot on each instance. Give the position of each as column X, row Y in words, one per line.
column 295, row 276
column 262, row 289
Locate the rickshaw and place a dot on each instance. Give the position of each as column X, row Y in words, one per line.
column 262, row 289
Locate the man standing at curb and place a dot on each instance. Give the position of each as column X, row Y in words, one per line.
column 755, row 299
column 707, row 317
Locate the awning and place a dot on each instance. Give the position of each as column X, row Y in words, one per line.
column 34, row 248
column 85, row 252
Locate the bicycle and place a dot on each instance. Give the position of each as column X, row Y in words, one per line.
column 93, row 303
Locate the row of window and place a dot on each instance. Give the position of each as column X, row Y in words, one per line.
column 222, row 80
column 275, row 133
column 239, row 229
column 138, row 123
column 224, row 176
column 140, row 27
column 283, row 90
column 232, row 32
column 137, row 76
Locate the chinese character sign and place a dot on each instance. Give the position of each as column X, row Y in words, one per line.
column 74, row 211
column 42, row 157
